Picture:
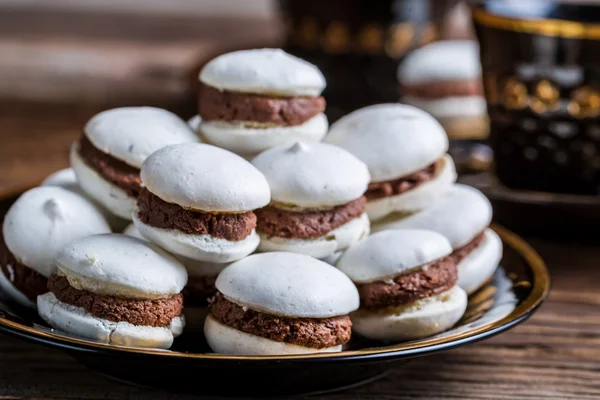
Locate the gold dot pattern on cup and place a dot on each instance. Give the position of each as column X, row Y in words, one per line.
column 563, row 129
column 514, row 94
column 370, row 39
column 546, row 142
column 337, row 38
column 593, row 131
column 529, row 124
column 561, row 157
column 401, row 37
column 585, row 103
column 309, row 33
column 546, row 97
column 530, row 153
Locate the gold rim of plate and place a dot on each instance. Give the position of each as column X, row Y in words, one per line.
column 539, row 291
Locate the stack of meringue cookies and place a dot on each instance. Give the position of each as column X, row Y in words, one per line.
column 278, row 233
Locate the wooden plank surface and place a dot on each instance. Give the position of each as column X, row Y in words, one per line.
column 554, row 355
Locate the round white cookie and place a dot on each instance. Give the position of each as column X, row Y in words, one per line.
column 444, row 60
column 66, row 178
column 288, row 284
column 45, row 219
column 313, row 175
column 480, row 264
column 461, row 215
column 387, row 254
column 121, row 266
column 323, row 247
column 416, row 320
column 198, row 247
column 394, row 140
column 282, row 284
column 226, row 340
column 419, row 198
column 77, row 321
column 249, row 140
column 194, row 122
column 194, row 268
column 263, row 71
column 203, row 177
column 131, row 134
column 107, row 194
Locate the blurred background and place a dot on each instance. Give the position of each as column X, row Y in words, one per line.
column 65, row 60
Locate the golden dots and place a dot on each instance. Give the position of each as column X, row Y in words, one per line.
column 400, row 39
column 308, row 33
column 514, row 94
column 546, row 97
column 370, row 39
column 585, row 103
column 337, row 38
column 429, row 34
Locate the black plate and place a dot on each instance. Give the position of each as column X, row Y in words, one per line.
column 517, row 289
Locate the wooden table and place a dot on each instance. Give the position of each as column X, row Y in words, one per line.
column 556, row 354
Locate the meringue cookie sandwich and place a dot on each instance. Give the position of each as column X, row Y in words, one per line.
column 198, row 202
column 37, row 225
column 444, row 79
column 108, row 156
column 116, row 289
column 252, row 100
column 463, row 218
column 280, row 303
column 407, row 283
column 317, row 199
column 405, row 149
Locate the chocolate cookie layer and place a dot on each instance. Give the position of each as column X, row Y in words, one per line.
column 425, row 282
column 23, row 278
column 316, row 333
column 307, row 225
column 436, row 90
column 156, row 212
column 115, row 171
column 157, row 312
column 231, row 106
column 378, row 190
column 459, row 254
column 198, row 290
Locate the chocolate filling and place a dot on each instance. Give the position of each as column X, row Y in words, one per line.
column 231, row 106
column 275, row 221
column 198, row 290
column 459, row 254
column 378, row 190
column 156, row 212
column 157, row 312
column 115, row 171
column 424, row 282
column 436, row 90
column 316, row 333
column 24, row 279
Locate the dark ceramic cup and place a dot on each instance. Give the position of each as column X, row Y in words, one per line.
column 541, row 72
column 358, row 44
